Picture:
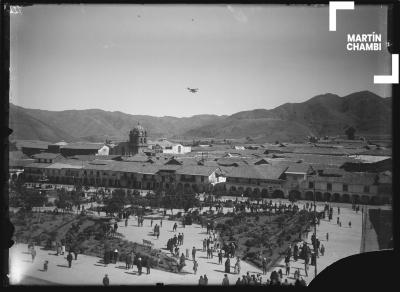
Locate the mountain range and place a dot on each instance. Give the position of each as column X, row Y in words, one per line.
column 326, row 114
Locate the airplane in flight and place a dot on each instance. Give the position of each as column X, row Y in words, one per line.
column 193, row 90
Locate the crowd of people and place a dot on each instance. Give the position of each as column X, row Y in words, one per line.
column 212, row 246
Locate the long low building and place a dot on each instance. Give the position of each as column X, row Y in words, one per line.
column 279, row 180
column 110, row 173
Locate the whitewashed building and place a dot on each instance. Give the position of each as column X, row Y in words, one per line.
column 169, row 148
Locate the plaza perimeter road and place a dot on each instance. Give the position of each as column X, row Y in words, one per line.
column 343, row 241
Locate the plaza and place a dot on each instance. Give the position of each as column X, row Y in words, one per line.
column 343, row 241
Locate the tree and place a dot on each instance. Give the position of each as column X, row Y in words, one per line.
column 350, row 133
column 34, row 199
column 117, row 201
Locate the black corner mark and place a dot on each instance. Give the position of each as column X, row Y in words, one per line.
column 364, row 270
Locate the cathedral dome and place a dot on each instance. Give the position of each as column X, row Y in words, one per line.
column 139, row 130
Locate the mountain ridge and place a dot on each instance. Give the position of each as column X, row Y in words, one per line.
column 325, row 114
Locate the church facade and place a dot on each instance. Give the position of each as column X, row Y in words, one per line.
column 136, row 144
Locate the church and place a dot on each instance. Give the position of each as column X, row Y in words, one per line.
column 136, row 144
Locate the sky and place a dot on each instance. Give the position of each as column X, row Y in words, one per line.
column 140, row 59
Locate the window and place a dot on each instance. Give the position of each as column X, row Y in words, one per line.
column 345, row 188
column 366, row 189
column 310, row 185
column 329, row 186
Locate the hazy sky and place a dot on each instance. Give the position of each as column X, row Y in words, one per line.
column 139, row 59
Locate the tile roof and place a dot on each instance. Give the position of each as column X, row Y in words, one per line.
column 20, row 162
column 33, row 144
column 354, row 178
column 256, row 171
column 136, row 158
column 14, row 155
column 47, row 155
column 83, row 157
column 37, row 165
column 60, row 165
column 377, row 152
column 169, row 167
column 94, row 146
column 197, row 170
column 231, row 161
column 299, row 168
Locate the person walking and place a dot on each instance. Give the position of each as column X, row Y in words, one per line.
column 76, row 251
column 237, row 265
column 264, row 266
column 287, row 268
column 322, row 249
column 58, row 249
column 205, row 280
column 139, row 266
column 161, row 222
column 201, row 281
column 195, row 266
column 225, row 281
column 147, row 266
column 327, row 236
column 69, row 259
column 220, row 257
column 193, row 253
column 306, row 265
column 115, row 256
column 295, row 252
column 33, row 253
column 106, row 280
column 128, row 261
column 45, row 265
column 227, row 265
column 126, row 222
column 106, row 257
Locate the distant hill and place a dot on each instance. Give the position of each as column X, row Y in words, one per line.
column 95, row 125
column 321, row 115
